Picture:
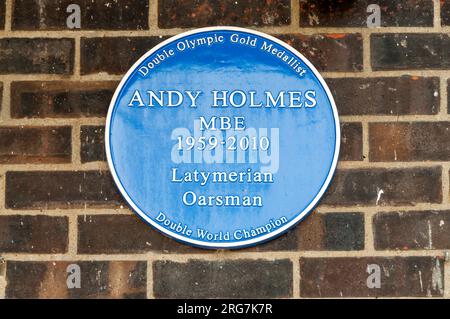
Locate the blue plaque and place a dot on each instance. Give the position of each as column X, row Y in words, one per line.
column 222, row 137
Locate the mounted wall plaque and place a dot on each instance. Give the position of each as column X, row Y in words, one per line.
column 222, row 137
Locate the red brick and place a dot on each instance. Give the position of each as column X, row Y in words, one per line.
column 194, row 13
column 99, row 279
column 61, row 99
column 95, row 15
column 409, row 141
column 60, row 189
column 33, row 234
column 379, row 186
column 347, row 277
column 412, row 230
column 351, row 142
column 35, row 144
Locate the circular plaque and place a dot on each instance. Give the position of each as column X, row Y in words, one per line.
column 222, row 137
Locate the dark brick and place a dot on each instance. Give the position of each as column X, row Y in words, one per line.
column 95, row 15
column 445, row 12
column 344, row 231
column 37, row 55
column 409, row 141
column 412, row 230
column 223, row 279
column 386, row 96
column 379, row 186
column 201, row 13
column 123, row 234
column 351, row 142
column 2, row 14
column 329, row 52
column 60, row 189
column 332, row 13
column 92, row 144
column 319, row 232
column 448, row 96
column 286, row 242
column 35, row 144
column 61, row 99
column 33, row 234
column 99, row 279
column 114, row 55
column 348, row 277
column 332, row 231
column 410, row 51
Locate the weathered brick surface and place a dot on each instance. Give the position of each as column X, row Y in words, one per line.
column 121, row 234
column 344, row 231
column 412, row 230
column 113, row 234
column 33, row 234
column 448, row 95
column 35, row 144
column 37, row 55
column 61, row 99
column 332, row 231
column 95, row 15
column 92, row 144
column 401, row 13
column 411, row 51
column 60, row 189
column 379, row 186
column 409, row 141
column 251, row 13
column 99, row 279
column 386, row 96
column 351, row 142
column 329, row 52
column 445, row 12
column 223, row 279
column 348, row 277
column 59, row 200
column 114, row 55
column 2, row 13
column 286, row 242
column 329, row 13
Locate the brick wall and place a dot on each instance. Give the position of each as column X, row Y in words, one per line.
column 388, row 209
